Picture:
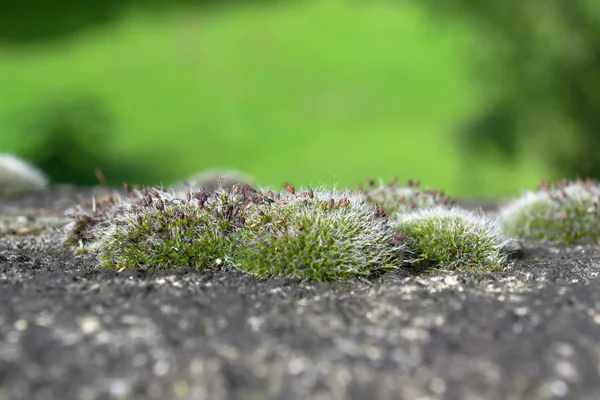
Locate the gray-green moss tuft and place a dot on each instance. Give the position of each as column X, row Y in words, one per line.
column 453, row 240
column 564, row 212
column 312, row 235
column 396, row 199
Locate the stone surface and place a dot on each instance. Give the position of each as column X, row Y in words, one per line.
column 70, row 331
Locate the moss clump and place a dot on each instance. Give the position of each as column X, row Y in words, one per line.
column 563, row 212
column 452, row 240
column 396, row 199
column 159, row 228
column 311, row 235
column 175, row 232
column 317, row 235
column 19, row 177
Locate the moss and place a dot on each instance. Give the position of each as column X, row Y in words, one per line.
column 453, row 240
column 396, row 199
column 317, row 235
column 178, row 235
column 311, row 235
column 158, row 228
column 564, row 213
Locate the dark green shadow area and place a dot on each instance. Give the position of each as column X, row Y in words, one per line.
column 32, row 21
column 69, row 139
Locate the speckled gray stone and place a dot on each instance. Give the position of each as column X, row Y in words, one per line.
column 69, row 331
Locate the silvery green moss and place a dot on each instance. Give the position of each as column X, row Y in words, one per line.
column 395, row 199
column 318, row 235
column 453, row 239
column 19, row 177
column 564, row 212
column 311, row 235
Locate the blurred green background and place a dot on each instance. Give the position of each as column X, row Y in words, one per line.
column 481, row 98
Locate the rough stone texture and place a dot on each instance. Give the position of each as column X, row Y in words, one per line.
column 69, row 331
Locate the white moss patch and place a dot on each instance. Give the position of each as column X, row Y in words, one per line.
column 19, row 177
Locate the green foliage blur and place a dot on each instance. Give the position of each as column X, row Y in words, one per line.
column 541, row 70
column 479, row 98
